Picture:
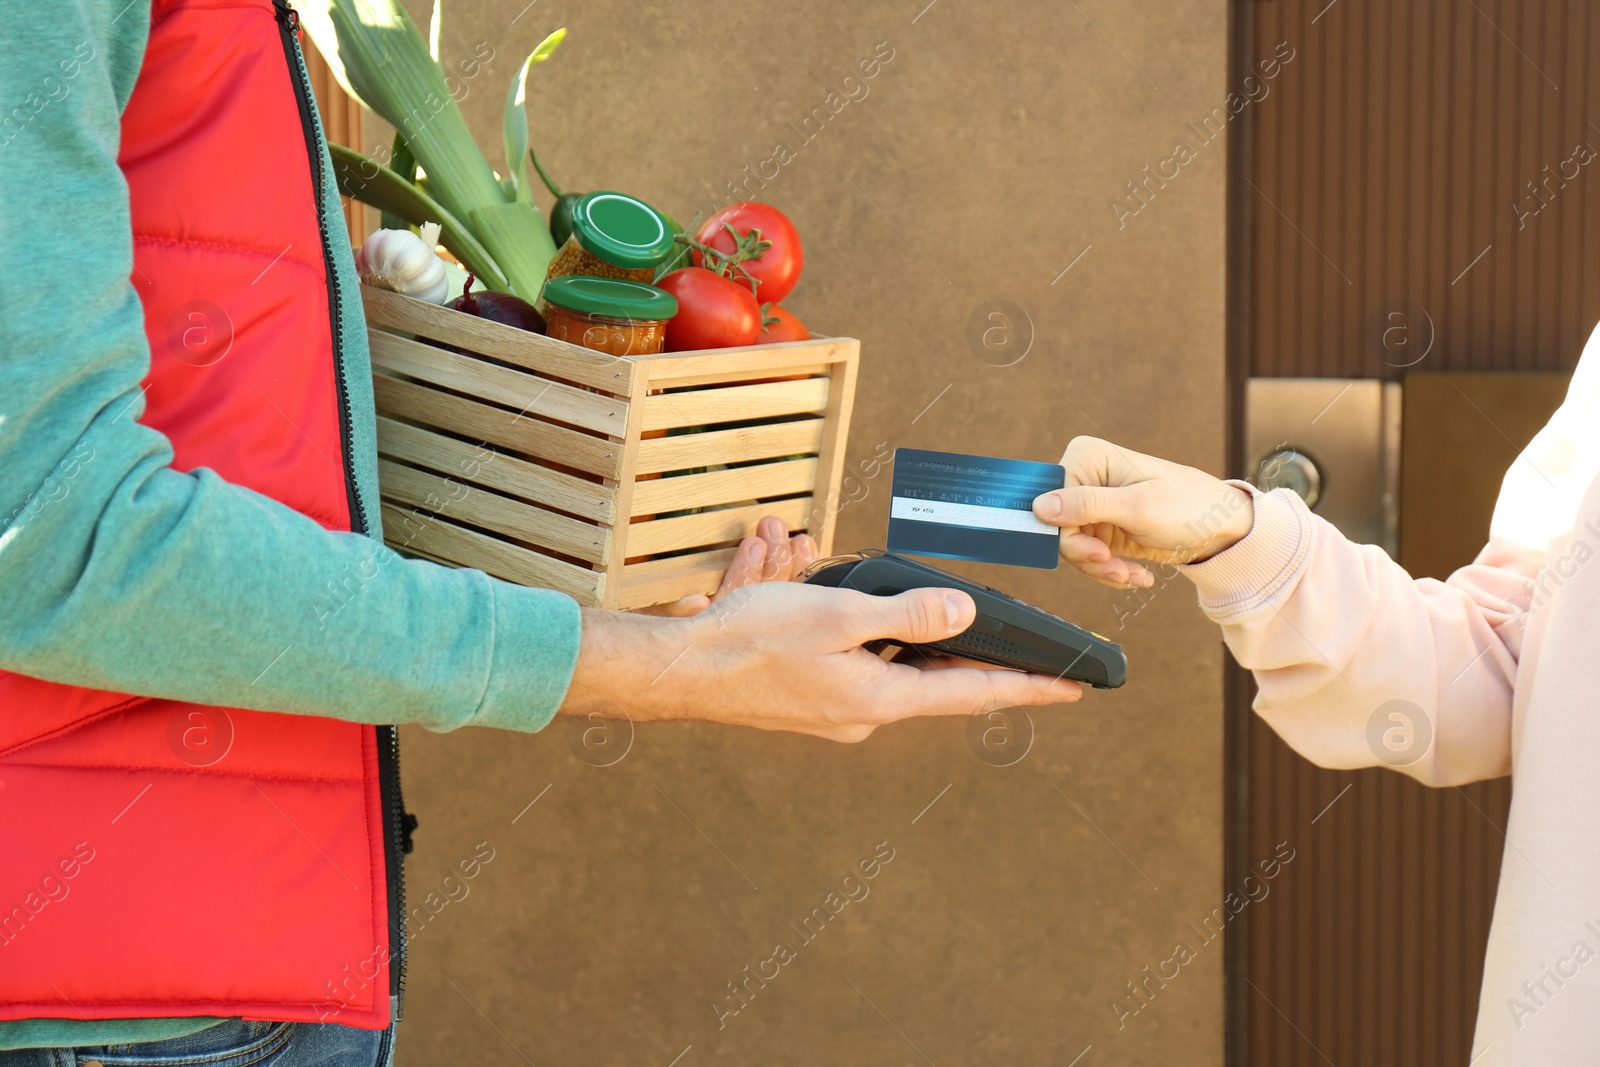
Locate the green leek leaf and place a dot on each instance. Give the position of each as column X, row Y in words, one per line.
column 370, row 182
column 514, row 123
column 384, row 61
column 521, row 244
column 401, row 163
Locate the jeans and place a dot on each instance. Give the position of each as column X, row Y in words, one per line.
column 234, row 1043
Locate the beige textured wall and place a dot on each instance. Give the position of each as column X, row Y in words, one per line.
column 979, row 165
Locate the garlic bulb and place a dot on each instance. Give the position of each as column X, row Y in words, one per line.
column 402, row 261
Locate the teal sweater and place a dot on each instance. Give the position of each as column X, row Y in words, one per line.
column 118, row 572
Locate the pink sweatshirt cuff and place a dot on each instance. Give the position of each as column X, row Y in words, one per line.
column 1250, row 573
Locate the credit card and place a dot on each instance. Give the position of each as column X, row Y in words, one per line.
column 956, row 506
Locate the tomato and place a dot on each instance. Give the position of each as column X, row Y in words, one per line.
column 778, row 267
column 781, row 325
column 713, row 311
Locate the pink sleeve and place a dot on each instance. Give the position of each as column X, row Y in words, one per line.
column 1360, row 665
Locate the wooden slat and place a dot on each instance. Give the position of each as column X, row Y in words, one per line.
column 627, row 480
column 752, row 361
column 572, row 363
column 484, row 466
column 700, row 407
column 712, row 527
column 412, row 552
column 724, row 487
column 527, row 393
column 655, row 569
column 729, row 446
column 506, row 429
column 810, row 370
column 659, row 581
column 464, row 503
column 445, row 541
column 830, row 456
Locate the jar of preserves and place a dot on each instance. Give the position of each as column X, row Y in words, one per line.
column 613, row 236
column 611, row 315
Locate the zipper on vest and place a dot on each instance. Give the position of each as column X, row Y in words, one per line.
column 289, row 20
column 397, row 835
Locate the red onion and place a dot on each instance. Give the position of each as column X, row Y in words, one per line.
column 499, row 307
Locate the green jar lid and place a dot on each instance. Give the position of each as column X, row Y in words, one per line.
column 621, row 230
column 611, row 296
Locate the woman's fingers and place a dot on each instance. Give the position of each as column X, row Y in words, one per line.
column 1080, row 548
column 1123, row 506
column 1107, row 511
column 1093, row 558
column 1118, row 573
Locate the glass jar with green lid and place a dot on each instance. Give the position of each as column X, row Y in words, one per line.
column 613, row 236
column 611, row 315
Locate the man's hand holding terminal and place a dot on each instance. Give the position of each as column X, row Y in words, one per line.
column 788, row 656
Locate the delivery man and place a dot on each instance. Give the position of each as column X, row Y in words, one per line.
column 189, row 541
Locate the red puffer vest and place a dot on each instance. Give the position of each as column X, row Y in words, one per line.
column 180, row 860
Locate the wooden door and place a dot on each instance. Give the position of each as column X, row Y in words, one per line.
column 1414, row 195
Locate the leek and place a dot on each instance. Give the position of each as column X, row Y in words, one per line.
column 380, row 58
column 514, row 125
column 372, row 183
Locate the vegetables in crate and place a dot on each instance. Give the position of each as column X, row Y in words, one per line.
column 757, row 239
column 713, row 311
column 402, row 261
column 727, row 274
column 380, row 58
column 499, row 307
column 747, row 257
column 780, row 324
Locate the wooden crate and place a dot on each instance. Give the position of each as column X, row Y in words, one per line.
column 623, row 482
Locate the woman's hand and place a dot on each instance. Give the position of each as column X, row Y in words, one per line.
column 1122, row 507
column 771, row 555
